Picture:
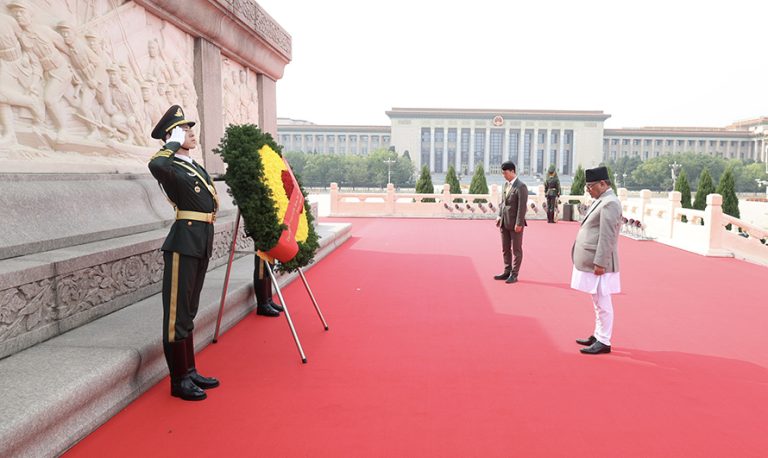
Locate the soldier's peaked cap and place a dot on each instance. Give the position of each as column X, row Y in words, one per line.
column 172, row 118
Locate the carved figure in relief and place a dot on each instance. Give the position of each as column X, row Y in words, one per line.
column 42, row 44
column 15, row 88
column 121, row 109
column 244, row 98
column 230, row 113
column 155, row 65
column 153, row 111
column 88, row 90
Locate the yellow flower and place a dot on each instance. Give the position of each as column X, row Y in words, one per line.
column 273, row 176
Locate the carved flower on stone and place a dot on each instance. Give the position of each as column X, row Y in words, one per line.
column 133, row 273
column 70, row 294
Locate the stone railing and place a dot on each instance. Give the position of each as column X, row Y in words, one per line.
column 709, row 232
column 437, row 205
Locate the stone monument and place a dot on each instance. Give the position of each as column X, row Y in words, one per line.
column 82, row 83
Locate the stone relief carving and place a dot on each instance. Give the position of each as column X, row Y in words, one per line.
column 251, row 13
column 241, row 100
column 73, row 80
column 34, row 305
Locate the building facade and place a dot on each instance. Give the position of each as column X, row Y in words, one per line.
column 532, row 139
column 741, row 140
column 297, row 135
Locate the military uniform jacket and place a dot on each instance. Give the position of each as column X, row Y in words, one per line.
column 598, row 237
column 552, row 187
column 513, row 206
column 186, row 190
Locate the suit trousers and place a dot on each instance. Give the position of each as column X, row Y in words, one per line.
column 512, row 245
column 183, row 278
column 603, row 318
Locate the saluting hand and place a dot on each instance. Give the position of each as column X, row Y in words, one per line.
column 178, row 135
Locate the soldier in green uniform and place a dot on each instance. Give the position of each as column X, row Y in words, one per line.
column 186, row 250
column 262, row 286
column 552, row 191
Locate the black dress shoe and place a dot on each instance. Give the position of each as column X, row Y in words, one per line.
column 203, row 382
column 266, row 310
column 511, row 279
column 275, row 306
column 586, row 342
column 503, row 276
column 186, row 389
column 596, row 348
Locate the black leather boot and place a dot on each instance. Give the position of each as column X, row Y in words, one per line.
column 182, row 385
column 267, row 294
column 203, row 382
column 260, row 285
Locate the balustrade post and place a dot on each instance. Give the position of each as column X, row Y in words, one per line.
column 675, row 199
column 623, row 194
column 334, row 198
column 713, row 222
column 540, row 197
column 645, row 200
column 389, row 200
column 447, row 194
column 495, row 196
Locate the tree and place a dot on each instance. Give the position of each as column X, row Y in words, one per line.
column 705, row 188
column 297, row 161
column 424, row 184
column 453, row 182
column 684, row 188
column 579, row 182
column 611, row 178
column 478, row 185
column 727, row 189
column 625, row 165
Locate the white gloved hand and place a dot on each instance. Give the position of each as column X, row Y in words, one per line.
column 178, row 135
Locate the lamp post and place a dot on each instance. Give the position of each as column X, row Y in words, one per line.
column 674, row 167
column 389, row 163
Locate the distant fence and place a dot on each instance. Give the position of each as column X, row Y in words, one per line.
column 437, row 205
column 709, row 232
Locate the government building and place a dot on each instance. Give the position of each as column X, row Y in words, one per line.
column 532, row 139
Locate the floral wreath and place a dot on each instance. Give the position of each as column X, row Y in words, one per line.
column 271, row 199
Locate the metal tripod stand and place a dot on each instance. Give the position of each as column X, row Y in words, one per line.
column 272, row 276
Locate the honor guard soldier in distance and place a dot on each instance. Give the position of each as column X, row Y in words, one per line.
column 186, row 250
column 552, row 191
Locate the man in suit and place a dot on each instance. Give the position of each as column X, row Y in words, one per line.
column 186, row 250
column 596, row 259
column 511, row 221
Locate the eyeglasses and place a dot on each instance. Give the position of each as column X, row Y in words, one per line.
column 592, row 185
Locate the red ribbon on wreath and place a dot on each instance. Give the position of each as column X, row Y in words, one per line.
column 287, row 247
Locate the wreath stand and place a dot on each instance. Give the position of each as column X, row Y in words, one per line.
column 232, row 252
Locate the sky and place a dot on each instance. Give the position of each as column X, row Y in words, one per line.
column 652, row 63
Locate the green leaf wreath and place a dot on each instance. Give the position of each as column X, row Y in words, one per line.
column 239, row 148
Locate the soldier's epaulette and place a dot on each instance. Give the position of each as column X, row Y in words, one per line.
column 162, row 153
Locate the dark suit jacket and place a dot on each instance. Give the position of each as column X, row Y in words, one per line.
column 512, row 208
column 187, row 192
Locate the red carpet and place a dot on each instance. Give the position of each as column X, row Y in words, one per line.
column 427, row 355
